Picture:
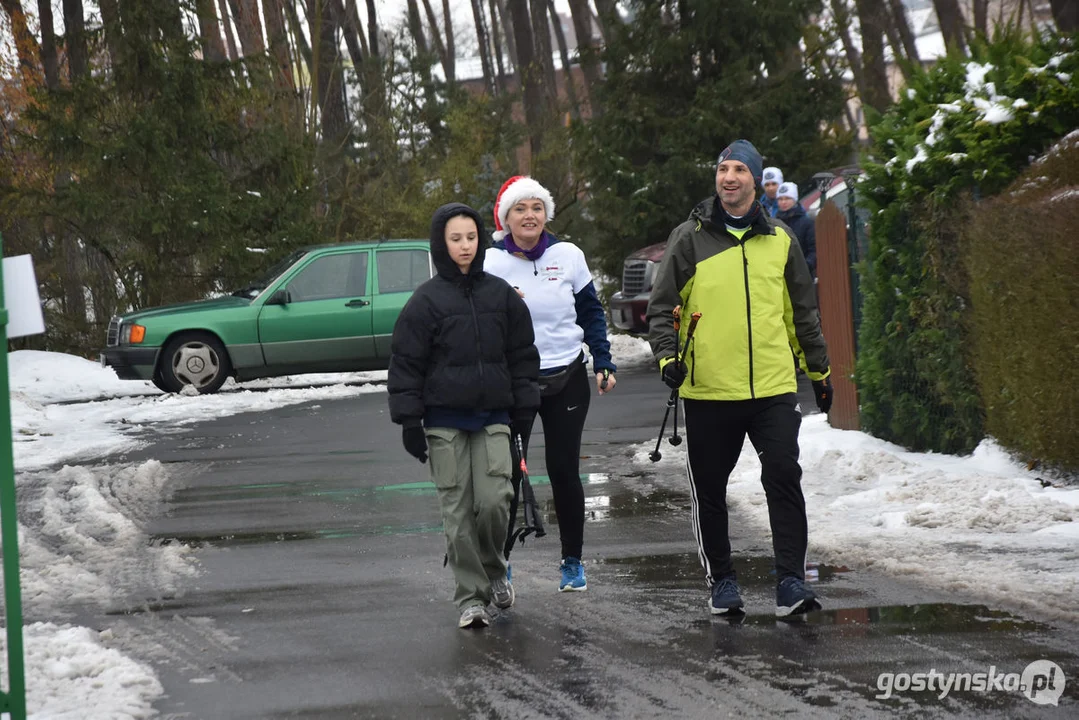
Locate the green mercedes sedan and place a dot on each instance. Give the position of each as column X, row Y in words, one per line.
column 321, row 309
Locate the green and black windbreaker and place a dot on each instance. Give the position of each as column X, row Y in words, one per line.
column 757, row 303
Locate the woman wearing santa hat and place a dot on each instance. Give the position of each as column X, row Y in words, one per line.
column 556, row 284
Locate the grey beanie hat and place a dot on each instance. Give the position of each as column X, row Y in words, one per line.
column 744, row 152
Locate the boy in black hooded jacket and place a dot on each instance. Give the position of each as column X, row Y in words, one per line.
column 463, row 369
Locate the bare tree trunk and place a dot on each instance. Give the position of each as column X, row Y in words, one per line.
column 48, row 45
column 541, row 34
column 563, row 52
column 951, row 22
column 354, row 25
column 529, row 74
column 485, row 56
column 213, row 47
column 277, row 37
column 372, row 30
column 902, row 24
column 415, row 27
column 451, row 44
column 249, row 27
column 586, row 51
column 300, row 38
column 226, row 25
column 980, row 10
column 1066, row 14
column 436, row 38
column 507, row 29
column 352, row 42
column 328, row 80
column 607, row 14
column 874, row 70
column 496, row 41
column 841, row 14
column 884, row 19
column 75, row 40
column 110, row 21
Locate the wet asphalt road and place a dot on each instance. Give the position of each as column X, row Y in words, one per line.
column 322, row 595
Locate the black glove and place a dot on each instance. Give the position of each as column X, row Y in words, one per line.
column 674, row 374
column 823, row 390
column 415, row 442
column 521, row 422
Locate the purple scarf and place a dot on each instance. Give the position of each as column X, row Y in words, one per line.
column 532, row 254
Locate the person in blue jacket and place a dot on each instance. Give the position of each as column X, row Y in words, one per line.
column 556, row 284
column 794, row 216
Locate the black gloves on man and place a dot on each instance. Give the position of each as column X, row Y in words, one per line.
column 823, row 390
column 415, row 441
column 674, row 374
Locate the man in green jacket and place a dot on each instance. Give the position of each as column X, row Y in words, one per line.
column 745, row 273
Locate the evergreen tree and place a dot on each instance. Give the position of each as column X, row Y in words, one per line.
column 684, row 80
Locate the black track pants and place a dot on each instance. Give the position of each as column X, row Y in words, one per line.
column 563, row 417
column 715, row 432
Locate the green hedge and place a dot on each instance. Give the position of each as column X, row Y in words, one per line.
column 966, row 127
column 1021, row 252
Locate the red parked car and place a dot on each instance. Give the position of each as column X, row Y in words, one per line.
column 630, row 303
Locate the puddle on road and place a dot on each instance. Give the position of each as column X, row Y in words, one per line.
column 317, row 488
column 683, row 571
column 276, row 536
column 928, row 618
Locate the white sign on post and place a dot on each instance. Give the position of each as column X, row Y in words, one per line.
column 21, row 297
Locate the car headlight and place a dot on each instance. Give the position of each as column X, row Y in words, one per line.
column 135, row 333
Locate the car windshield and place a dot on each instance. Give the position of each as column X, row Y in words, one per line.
column 252, row 289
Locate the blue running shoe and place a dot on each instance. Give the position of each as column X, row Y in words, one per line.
column 572, row 576
column 726, row 597
column 794, row 598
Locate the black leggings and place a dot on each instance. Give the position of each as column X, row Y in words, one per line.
column 563, row 417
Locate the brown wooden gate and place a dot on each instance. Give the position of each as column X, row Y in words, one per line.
column 837, row 314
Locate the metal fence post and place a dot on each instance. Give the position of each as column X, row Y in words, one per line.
column 14, row 700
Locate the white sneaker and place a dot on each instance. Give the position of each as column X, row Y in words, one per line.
column 502, row 593
column 474, row 616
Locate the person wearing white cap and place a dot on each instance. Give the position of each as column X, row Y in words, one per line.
column 556, row 284
column 771, row 179
column 794, row 215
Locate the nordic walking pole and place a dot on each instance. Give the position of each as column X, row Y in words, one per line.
column 672, row 401
column 675, row 438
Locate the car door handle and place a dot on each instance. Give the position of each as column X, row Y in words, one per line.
column 357, row 303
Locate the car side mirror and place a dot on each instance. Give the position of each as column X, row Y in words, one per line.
column 280, row 297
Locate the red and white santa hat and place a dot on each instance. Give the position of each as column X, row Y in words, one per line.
column 513, row 191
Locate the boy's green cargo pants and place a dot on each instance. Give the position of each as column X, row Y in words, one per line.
column 472, row 473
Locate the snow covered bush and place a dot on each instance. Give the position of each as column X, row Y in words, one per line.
column 963, row 129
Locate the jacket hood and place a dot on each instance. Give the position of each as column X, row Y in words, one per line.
column 440, row 254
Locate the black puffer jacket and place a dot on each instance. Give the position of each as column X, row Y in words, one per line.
column 462, row 341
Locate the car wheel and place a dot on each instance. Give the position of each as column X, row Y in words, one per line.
column 160, row 384
column 195, row 359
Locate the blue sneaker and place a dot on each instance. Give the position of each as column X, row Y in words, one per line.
column 572, row 576
column 794, row 598
column 726, row 597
